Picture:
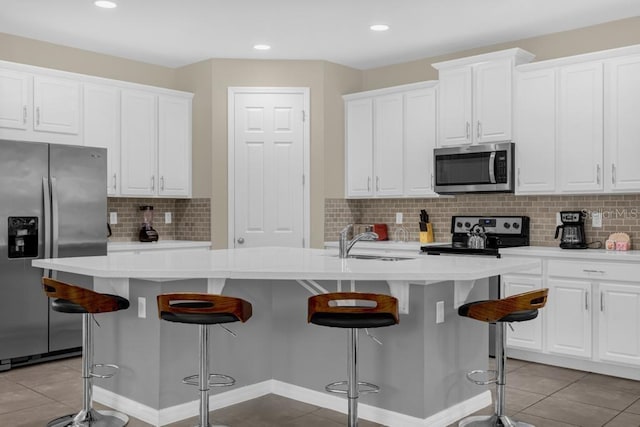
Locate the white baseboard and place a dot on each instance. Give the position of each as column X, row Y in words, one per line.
column 176, row 413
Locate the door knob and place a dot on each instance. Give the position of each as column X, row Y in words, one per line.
column 241, row 240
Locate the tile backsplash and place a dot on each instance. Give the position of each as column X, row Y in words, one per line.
column 620, row 213
column 191, row 218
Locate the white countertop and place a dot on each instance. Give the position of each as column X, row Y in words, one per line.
column 283, row 264
column 584, row 254
column 159, row 245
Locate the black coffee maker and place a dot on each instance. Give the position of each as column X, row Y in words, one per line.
column 572, row 230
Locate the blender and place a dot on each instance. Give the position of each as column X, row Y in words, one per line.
column 147, row 233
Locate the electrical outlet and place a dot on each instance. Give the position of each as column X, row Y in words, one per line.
column 142, row 307
column 596, row 219
column 398, row 217
column 167, row 217
column 440, row 312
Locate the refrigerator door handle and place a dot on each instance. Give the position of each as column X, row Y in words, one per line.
column 47, row 220
column 55, row 232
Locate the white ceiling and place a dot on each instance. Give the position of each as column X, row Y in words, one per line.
column 174, row 33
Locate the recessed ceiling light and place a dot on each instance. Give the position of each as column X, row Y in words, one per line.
column 379, row 27
column 105, row 4
column 262, row 47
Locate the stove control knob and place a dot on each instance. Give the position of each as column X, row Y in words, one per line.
column 507, row 225
column 516, row 225
column 467, row 224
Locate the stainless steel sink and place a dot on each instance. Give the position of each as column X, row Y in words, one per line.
column 380, row 257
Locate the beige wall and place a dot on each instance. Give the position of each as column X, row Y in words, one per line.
column 590, row 39
column 41, row 54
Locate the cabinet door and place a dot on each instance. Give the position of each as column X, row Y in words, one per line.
column 138, row 143
column 419, row 141
column 359, row 147
column 580, row 136
column 102, row 128
column 622, row 125
column 56, row 105
column 526, row 335
column 174, row 146
column 492, row 100
column 535, row 131
column 14, row 99
column 388, row 145
column 455, row 106
column 568, row 313
column 619, row 323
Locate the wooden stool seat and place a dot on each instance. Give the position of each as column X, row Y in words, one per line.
column 516, row 308
column 323, row 310
column 75, row 299
column 202, row 309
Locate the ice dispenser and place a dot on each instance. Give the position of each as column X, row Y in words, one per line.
column 23, row 237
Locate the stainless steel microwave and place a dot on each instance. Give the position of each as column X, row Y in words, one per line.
column 483, row 168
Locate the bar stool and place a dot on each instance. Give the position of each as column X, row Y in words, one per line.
column 204, row 310
column 74, row 299
column 517, row 308
column 361, row 310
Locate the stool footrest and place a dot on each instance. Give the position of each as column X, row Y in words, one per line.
column 473, row 375
column 215, row 380
column 113, row 367
column 341, row 387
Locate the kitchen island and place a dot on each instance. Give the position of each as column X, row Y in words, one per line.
column 420, row 368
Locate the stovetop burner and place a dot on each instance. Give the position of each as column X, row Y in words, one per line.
column 501, row 232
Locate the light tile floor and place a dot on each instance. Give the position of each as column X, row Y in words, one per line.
column 545, row 396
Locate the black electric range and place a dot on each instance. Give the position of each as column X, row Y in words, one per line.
column 501, row 232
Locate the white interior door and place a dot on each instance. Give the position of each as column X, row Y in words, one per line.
column 268, row 163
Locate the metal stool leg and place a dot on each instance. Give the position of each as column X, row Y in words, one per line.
column 89, row 417
column 352, row 374
column 499, row 418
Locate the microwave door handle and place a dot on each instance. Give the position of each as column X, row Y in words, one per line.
column 492, row 167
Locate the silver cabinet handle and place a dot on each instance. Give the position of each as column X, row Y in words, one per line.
column 478, row 127
column 368, row 183
column 613, row 173
column 468, row 129
column 153, row 182
column 114, row 182
column 594, row 271
column 24, row 115
column 586, row 300
column 241, row 240
column 38, row 116
column 162, row 182
column 598, row 173
column 601, row 301
column 377, row 183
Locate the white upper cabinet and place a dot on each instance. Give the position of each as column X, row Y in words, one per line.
column 359, row 147
column 39, row 107
column 622, row 124
column 102, row 127
column 420, row 137
column 174, row 146
column 390, row 137
column 476, row 97
column 139, row 143
column 535, row 131
column 580, row 133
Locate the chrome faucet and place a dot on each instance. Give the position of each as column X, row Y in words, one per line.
column 345, row 244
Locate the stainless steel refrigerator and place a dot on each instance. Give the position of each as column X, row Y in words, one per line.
column 53, row 203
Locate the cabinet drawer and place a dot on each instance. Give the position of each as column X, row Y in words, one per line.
column 595, row 270
column 537, row 270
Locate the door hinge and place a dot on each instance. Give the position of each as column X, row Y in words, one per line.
column 304, row 116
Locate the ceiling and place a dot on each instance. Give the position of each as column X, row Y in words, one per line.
column 174, row 33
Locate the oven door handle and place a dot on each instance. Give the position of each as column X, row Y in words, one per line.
column 492, row 167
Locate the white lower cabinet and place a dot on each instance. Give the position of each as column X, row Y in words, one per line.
column 525, row 335
column 568, row 313
column 619, row 322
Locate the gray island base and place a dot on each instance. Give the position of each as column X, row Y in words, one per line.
column 420, row 367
